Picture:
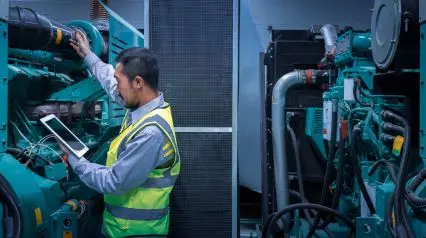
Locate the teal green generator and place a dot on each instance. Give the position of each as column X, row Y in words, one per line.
column 370, row 132
column 40, row 74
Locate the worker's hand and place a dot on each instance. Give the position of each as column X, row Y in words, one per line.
column 63, row 147
column 80, row 44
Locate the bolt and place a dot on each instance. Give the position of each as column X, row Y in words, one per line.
column 421, row 147
column 3, row 142
column 421, row 131
column 422, row 36
column 422, row 83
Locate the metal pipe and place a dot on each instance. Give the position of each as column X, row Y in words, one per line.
column 279, row 125
column 278, row 134
column 330, row 36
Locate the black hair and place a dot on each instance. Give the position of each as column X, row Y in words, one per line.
column 140, row 62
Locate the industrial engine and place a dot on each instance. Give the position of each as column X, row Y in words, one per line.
column 40, row 75
column 370, row 132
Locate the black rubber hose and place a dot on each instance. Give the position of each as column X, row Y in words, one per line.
column 389, row 166
column 299, row 171
column 292, row 193
column 317, row 207
column 387, row 126
column 339, row 182
column 389, row 210
column 357, row 172
column 392, row 174
column 7, row 194
column 411, row 196
column 400, row 211
column 328, row 170
column 299, row 167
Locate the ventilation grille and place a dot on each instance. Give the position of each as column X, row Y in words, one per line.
column 117, row 45
column 193, row 41
column 97, row 11
column 318, row 121
column 201, row 204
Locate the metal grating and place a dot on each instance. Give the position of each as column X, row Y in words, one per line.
column 193, row 40
column 201, row 202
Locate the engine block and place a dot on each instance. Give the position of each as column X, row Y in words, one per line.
column 40, row 196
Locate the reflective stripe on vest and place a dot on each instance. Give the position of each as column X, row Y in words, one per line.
column 145, row 209
column 136, row 214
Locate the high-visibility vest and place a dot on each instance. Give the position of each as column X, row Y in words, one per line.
column 144, row 210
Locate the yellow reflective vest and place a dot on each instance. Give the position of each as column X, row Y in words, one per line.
column 144, row 210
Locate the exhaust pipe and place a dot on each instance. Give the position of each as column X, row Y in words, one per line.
column 287, row 81
column 330, row 36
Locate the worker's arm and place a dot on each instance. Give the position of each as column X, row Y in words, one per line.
column 105, row 75
column 103, row 72
column 135, row 162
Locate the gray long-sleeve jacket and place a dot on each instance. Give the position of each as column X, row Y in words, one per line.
column 140, row 156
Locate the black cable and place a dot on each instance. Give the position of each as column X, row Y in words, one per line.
column 357, row 171
column 411, row 196
column 389, row 209
column 299, row 171
column 400, row 211
column 387, row 126
column 317, row 207
column 356, row 91
column 328, row 170
column 18, row 153
column 392, row 175
column 298, row 166
column 339, row 181
column 7, row 194
column 389, row 166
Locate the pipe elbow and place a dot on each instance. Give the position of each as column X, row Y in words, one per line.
column 284, row 83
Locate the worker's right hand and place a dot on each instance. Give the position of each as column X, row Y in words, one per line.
column 80, row 44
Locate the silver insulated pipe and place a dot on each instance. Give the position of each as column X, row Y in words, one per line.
column 330, row 36
column 279, row 92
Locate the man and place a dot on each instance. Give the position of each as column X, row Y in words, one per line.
column 143, row 160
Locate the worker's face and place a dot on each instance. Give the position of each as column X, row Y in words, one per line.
column 128, row 89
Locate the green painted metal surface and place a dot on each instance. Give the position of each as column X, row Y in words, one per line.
column 313, row 129
column 34, row 83
column 354, row 61
column 3, row 86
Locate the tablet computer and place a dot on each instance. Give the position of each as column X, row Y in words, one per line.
column 64, row 135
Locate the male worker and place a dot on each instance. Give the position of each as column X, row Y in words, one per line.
column 143, row 160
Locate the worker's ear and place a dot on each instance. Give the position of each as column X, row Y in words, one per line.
column 138, row 82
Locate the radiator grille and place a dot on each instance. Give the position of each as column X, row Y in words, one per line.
column 193, row 41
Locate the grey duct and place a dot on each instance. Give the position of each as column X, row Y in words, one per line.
column 330, row 36
column 279, row 125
